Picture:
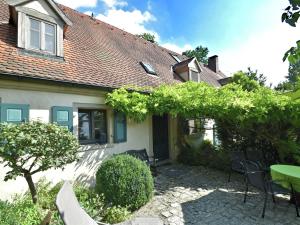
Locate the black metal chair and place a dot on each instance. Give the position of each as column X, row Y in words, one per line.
column 257, row 178
column 236, row 158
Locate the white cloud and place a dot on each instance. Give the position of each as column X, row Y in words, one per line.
column 78, row 3
column 115, row 3
column 262, row 51
column 176, row 48
column 131, row 21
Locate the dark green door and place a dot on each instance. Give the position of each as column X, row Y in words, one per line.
column 160, row 137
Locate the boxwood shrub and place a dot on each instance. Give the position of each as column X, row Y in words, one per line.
column 125, row 181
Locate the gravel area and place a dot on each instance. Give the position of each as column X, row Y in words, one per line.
column 197, row 195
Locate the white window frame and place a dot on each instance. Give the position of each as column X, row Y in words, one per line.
column 42, row 36
column 176, row 58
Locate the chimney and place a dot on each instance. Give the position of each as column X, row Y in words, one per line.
column 213, row 63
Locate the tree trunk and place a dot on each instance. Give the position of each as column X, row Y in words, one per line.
column 31, row 186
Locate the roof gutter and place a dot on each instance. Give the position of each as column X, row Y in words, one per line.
column 17, row 77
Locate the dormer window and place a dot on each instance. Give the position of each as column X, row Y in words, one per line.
column 41, row 26
column 42, row 36
column 148, row 68
column 176, row 58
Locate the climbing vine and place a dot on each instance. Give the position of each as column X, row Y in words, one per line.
column 243, row 100
column 249, row 113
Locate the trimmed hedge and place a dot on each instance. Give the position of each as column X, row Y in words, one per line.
column 125, row 181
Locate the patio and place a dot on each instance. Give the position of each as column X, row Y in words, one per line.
column 198, row 195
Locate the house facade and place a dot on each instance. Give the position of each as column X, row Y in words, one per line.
column 57, row 65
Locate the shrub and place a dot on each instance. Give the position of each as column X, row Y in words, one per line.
column 125, row 181
column 92, row 203
column 22, row 211
column 205, row 155
column 116, row 214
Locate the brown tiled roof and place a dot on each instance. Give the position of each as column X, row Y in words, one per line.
column 210, row 76
column 182, row 63
column 96, row 54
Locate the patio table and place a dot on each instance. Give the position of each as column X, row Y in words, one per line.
column 286, row 175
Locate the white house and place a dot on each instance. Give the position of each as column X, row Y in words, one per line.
column 57, row 64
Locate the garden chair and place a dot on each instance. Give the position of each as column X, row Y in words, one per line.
column 236, row 158
column 257, row 178
column 259, row 158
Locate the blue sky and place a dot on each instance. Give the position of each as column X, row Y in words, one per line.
column 242, row 32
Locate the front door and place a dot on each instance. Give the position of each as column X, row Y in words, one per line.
column 160, row 137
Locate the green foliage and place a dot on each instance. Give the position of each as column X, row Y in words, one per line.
column 29, row 148
column 204, row 155
column 248, row 82
column 293, row 79
column 246, row 110
column 133, row 104
column 147, row 37
column 291, row 17
column 294, row 72
column 254, row 75
column 199, row 52
column 92, row 203
column 116, row 214
column 286, row 86
column 125, row 181
column 22, row 211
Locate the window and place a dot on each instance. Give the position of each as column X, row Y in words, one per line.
column 49, row 38
column 35, row 34
column 120, row 127
column 92, row 126
column 63, row 116
column 194, row 76
column 176, row 58
column 149, row 69
column 42, row 36
column 14, row 113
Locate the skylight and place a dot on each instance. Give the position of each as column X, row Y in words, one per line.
column 176, row 58
column 148, row 67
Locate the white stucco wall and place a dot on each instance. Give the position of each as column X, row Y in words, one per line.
column 139, row 136
column 42, row 7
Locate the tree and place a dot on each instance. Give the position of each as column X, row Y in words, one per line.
column 249, row 80
column 147, row 37
column 294, row 72
column 199, row 52
column 292, row 82
column 285, row 86
column 254, row 75
column 291, row 16
column 29, row 148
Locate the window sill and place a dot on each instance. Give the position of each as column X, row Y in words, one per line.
column 94, row 146
column 41, row 55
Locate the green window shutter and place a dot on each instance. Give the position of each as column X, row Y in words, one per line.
column 14, row 113
column 63, row 116
column 120, row 127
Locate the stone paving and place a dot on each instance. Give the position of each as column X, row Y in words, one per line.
column 197, row 195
